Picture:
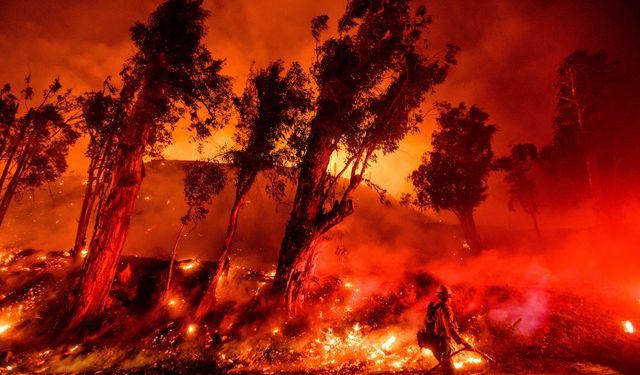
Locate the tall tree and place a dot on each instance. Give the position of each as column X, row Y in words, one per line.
column 172, row 72
column 453, row 176
column 581, row 137
column 203, row 181
column 102, row 120
column 371, row 79
column 34, row 142
column 274, row 112
column 522, row 189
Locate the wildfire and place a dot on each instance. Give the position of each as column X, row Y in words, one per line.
column 628, row 326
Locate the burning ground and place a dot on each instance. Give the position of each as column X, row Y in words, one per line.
column 565, row 307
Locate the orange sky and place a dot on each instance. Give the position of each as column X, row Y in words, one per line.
column 510, row 51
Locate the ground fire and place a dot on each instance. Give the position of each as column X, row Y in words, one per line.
column 358, row 187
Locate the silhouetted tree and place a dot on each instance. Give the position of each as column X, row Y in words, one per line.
column 203, row 181
column 453, row 176
column 103, row 121
column 35, row 141
column 371, row 79
column 580, row 137
column 274, row 113
column 171, row 72
column 522, row 189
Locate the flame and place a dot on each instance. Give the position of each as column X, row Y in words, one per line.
column 387, row 344
column 470, row 359
column 4, row 328
column 628, row 326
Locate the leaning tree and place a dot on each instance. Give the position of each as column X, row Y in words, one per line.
column 453, row 175
column 171, row 73
column 204, row 180
column 34, row 140
column 372, row 78
column 273, row 120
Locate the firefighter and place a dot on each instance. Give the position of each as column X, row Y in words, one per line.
column 441, row 322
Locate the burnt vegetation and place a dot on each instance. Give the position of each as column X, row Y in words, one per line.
column 306, row 139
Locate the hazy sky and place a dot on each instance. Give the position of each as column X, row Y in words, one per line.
column 510, row 51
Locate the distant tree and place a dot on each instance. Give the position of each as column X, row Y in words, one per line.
column 171, row 73
column 580, row 133
column 203, row 181
column 34, row 141
column 274, row 113
column 103, row 116
column 372, row 79
column 522, row 189
column 453, row 176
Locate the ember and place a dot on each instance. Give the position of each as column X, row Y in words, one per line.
column 628, row 326
column 189, row 265
column 192, row 329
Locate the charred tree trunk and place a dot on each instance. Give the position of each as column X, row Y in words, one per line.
column 92, row 289
column 209, row 297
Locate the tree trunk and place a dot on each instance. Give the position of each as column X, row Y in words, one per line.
column 85, row 217
column 296, row 272
column 209, row 298
column 7, row 197
column 470, row 231
column 534, row 218
column 173, row 255
column 301, row 234
column 99, row 269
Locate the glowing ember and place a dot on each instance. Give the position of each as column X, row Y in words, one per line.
column 276, row 330
column 189, row 265
column 191, row 329
column 84, row 252
column 628, row 326
column 387, row 344
column 172, row 302
column 4, row 328
column 474, row 360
